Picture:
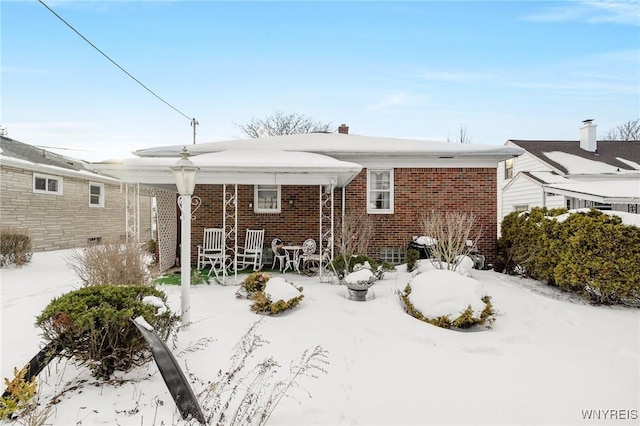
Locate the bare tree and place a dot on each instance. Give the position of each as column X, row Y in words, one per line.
column 354, row 236
column 629, row 131
column 281, row 123
column 463, row 136
column 450, row 231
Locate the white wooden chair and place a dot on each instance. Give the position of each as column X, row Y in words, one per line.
column 212, row 244
column 279, row 254
column 251, row 254
column 212, row 252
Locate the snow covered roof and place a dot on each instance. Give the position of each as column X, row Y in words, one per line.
column 339, row 145
column 568, row 158
column 23, row 156
column 239, row 167
column 621, row 191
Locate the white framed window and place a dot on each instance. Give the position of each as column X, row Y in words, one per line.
column 508, row 168
column 380, row 191
column 96, row 194
column 46, row 184
column 520, row 207
column 266, row 199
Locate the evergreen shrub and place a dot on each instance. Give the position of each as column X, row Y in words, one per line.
column 465, row 320
column 589, row 253
column 412, row 257
column 15, row 247
column 93, row 325
column 339, row 265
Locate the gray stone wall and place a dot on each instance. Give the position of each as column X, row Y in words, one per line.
column 65, row 221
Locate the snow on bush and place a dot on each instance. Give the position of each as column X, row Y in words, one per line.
column 439, row 295
column 278, row 295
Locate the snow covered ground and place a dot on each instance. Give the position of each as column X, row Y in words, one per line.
column 550, row 358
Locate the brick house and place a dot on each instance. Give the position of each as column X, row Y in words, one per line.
column 59, row 202
column 394, row 180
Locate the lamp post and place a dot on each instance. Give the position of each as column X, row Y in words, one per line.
column 185, row 173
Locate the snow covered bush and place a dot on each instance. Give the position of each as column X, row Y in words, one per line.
column 15, row 247
column 600, row 257
column 450, row 232
column 112, row 263
column 412, row 257
column 254, row 283
column 278, row 295
column 447, row 299
column 584, row 252
column 93, row 325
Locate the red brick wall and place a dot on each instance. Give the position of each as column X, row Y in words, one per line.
column 416, row 191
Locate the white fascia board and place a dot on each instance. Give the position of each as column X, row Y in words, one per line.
column 592, row 197
column 400, row 162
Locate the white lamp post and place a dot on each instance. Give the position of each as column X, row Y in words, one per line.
column 185, row 174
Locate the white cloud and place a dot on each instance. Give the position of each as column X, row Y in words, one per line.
column 591, row 12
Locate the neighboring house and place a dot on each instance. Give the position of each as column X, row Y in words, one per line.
column 299, row 186
column 572, row 174
column 59, row 202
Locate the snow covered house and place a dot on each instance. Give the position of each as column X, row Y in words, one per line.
column 59, row 202
column 300, row 186
column 571, row 174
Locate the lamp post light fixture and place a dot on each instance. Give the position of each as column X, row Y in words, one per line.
column 185, row 173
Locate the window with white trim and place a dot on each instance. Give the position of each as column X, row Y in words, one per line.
column 96, row 194
column 508, row 168
column 380, row 191
column 266, row 199
column 45, row 184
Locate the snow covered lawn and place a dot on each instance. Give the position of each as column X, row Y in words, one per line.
column 549, row 359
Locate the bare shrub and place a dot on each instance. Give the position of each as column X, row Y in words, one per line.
column 112, row 263
column 451, row 230
column 248, row 396
column 15, row 247
column 354, row 236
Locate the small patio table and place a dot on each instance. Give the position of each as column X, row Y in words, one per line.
column 218, row 263
column 294, row 262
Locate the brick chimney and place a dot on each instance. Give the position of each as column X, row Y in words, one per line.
column 588, row 140
column 344, row 129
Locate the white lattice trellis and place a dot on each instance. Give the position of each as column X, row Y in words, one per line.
column 167, row 223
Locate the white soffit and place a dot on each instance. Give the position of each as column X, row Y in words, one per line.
column 238, row 167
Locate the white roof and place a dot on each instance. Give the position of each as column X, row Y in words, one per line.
column 602, row 191
column 579, row 165
column 239, row 167
column 340, row 145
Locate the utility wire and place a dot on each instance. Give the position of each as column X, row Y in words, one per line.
column 193, row 120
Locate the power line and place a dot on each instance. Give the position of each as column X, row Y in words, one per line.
column 193, row 120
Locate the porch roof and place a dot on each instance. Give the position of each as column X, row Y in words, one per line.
column 235, row 166
column 618, row 191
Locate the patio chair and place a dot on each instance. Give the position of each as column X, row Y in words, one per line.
column 212, row 244
column 310, row 257
column 279, row 254
column 251, row 254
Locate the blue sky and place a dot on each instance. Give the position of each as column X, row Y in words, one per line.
column 421, row 69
